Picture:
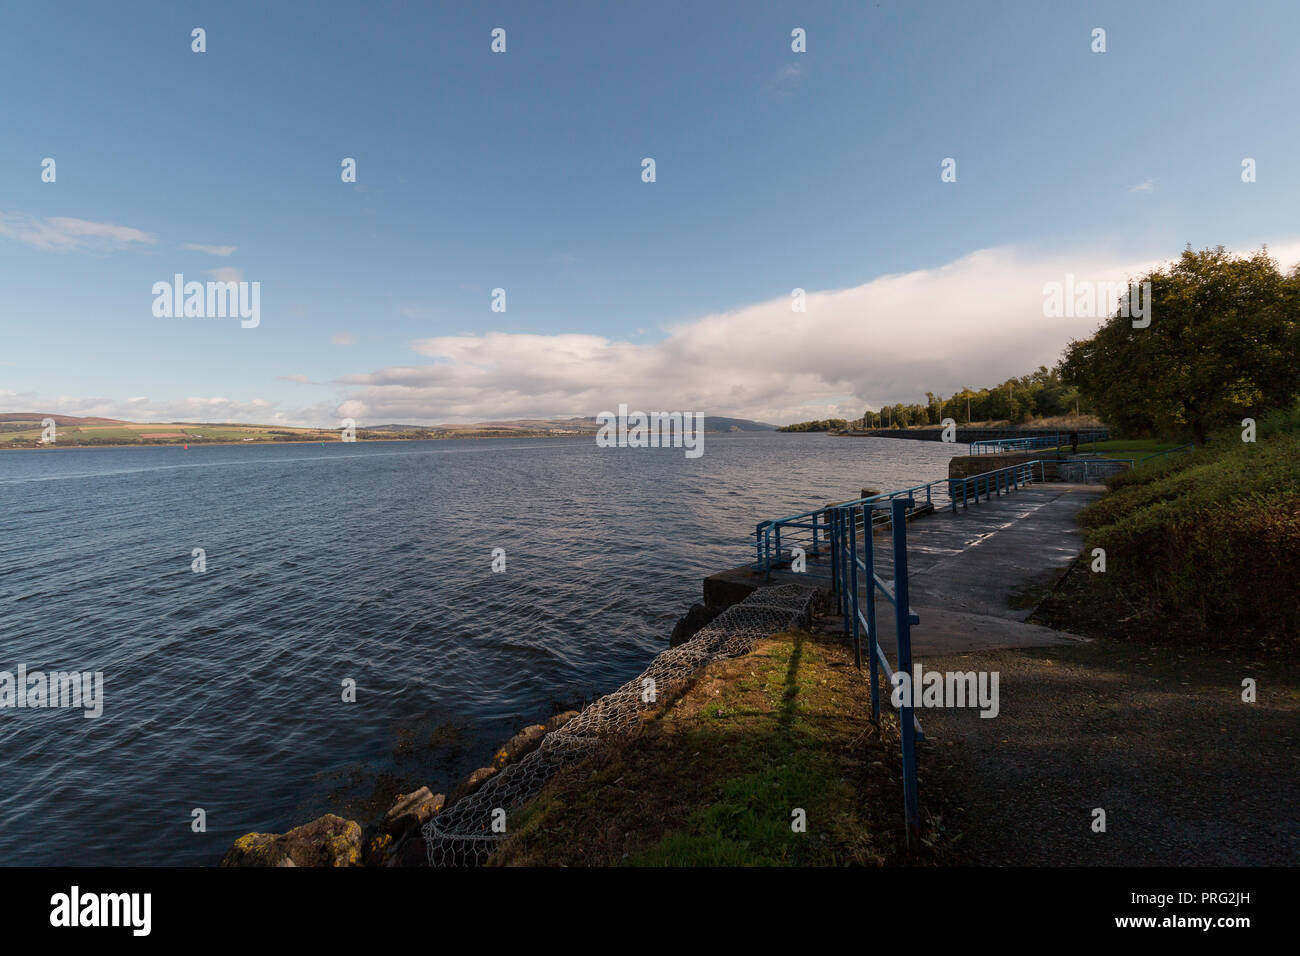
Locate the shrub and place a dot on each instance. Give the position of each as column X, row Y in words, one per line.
column 1210, row 544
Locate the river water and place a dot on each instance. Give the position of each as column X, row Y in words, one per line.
column 367, row 562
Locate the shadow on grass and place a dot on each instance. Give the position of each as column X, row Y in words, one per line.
column 769, row 759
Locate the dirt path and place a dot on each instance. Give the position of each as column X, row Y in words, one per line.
column 1159, row 738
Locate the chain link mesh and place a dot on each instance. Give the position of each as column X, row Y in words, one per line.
column 462, row 835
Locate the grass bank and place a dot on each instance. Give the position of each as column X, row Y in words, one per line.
column 716, row 777
column 1200, row 547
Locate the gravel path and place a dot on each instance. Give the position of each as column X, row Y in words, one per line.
column 1159, row 738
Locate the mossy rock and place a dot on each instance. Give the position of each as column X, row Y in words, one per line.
column 327, row 841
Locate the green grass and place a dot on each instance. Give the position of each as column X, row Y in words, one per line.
column 1205, row 546
column 714, row 778
column 1118, row 447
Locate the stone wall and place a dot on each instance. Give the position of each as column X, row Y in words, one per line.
column 964, row 466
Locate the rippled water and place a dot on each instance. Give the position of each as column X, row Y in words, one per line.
column 364, row 561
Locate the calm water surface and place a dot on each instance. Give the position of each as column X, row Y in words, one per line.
column 363, row 561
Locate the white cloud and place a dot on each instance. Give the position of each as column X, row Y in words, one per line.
column 297, row 379
column 61, row 234
column 343, row 338
column 211, row 250
column 227, row 274
column 139, row 408
column 786, row 80
column 1146, row 186
column 976, row 321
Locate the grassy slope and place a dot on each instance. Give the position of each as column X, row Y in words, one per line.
column 713, row 777
column 1201, row 547
column 130, row 433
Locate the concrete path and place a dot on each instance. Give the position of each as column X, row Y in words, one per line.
column 975, row 575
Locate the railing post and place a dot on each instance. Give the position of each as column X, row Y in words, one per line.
column 873, row 652
column 906, row 716
column 853, row 579
column 845, row 557
column 834, row 534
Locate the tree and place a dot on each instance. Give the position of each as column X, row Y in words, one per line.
column 1222, row 344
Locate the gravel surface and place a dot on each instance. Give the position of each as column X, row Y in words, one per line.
column 1159, row 738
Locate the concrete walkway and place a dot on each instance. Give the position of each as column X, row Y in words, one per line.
column 975, row 575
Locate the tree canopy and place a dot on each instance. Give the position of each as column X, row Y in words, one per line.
column 1222, row 344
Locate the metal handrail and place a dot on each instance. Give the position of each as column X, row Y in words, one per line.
column 998, row 481
column 1169, row 451
column 855, row 581
column 1057, row 440
column 844, row 523
column 767, row 535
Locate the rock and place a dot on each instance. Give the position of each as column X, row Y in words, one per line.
column 412, row 851
column 378, row 848
column 411, row 811
column 327, row 841
column 519, row 745
column 473, row 782
column 559, row 720
column 696, row 619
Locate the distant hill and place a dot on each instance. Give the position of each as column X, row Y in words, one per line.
column 712, row 423
column 24, row 430
column 718, row 423
column 37, row 417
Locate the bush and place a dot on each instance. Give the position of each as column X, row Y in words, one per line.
column 1209, row 543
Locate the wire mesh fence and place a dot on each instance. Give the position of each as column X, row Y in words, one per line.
column 467, row 832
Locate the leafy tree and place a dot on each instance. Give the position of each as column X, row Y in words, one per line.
column 1222, row 345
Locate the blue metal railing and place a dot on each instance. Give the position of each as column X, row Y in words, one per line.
column 771, row 538
column 811, row 529
column 855, row 583
column 1169, row 451
column 988, row 446
column 1100, row 467
column 998, row 481
column 845, row 520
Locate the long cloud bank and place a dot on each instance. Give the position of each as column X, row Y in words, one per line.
column 976, row 321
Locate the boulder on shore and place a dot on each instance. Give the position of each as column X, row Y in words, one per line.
column 327, row 841
column 695, row 620
column 559, row 720
column 521, row 744
column 472, row 782
column 411, row 811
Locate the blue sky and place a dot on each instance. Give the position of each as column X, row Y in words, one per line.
column 522, row 171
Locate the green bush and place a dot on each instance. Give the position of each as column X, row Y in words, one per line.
column 1209, row 543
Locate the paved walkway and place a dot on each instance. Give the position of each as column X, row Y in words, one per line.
column 975, row 575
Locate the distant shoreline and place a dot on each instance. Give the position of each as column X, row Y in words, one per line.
column 58, row 446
